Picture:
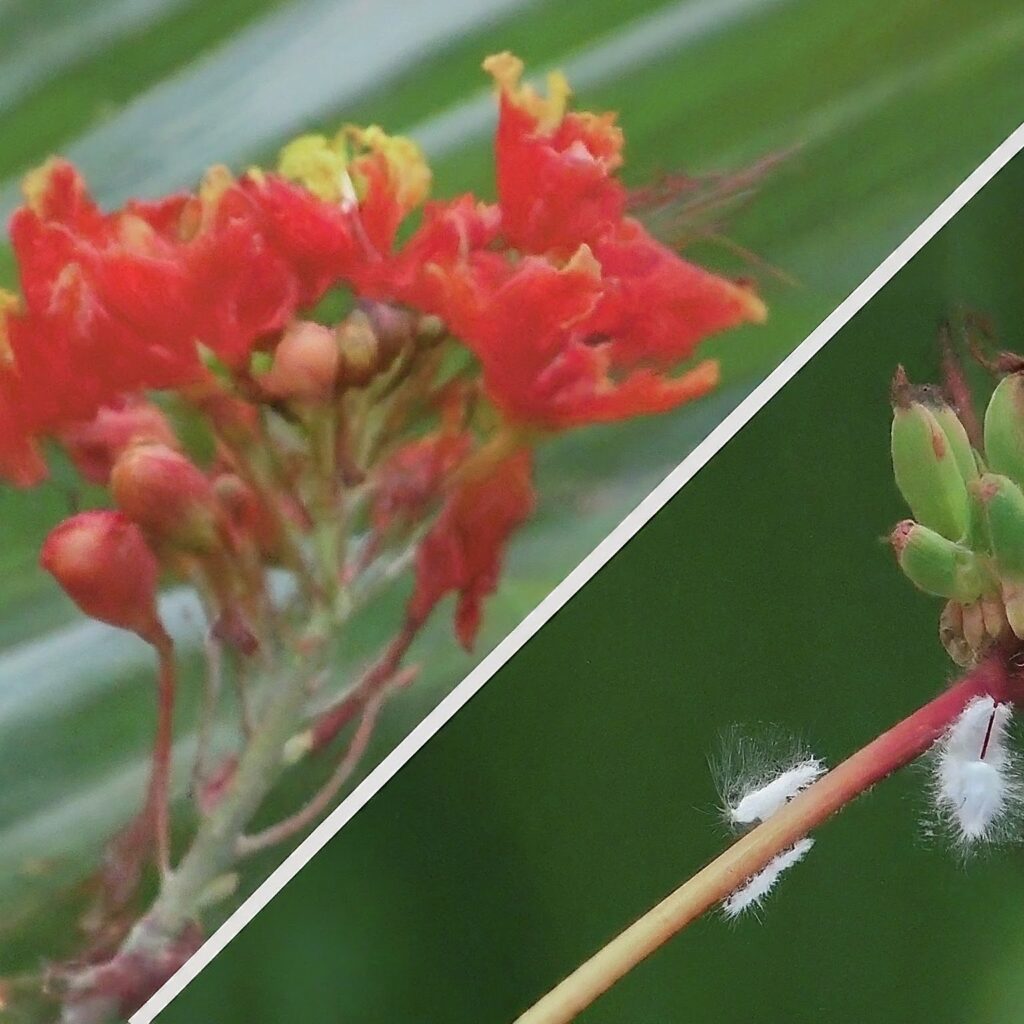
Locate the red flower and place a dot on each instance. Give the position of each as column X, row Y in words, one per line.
column 411, row 478
column 448, row 253
column 557, row 339
column 115, row 303
column 20, row 461
column 659, row 307
column 463, row 551
column 539, row 332
column 376, row 177
column 106, row 303
column 555, row 168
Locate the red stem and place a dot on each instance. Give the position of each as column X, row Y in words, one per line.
column 329, row 723
column 997, row 677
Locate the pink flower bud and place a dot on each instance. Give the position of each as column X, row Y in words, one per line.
column 246, row 515
column 305, row 364
column 103, row 563
column 95, row 445
column 167, row 495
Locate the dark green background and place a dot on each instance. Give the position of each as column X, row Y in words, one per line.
column 573, row 791
column 890, row 106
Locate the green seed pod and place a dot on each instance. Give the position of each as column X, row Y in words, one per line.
column 1004, row 429
column 927, row 472
column 936, row 565
column 1003, row 504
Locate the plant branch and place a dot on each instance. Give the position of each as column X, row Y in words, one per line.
column 211, row 696
column 158, row 798
column 379, row 675
column 997, row 677
column 314, row 809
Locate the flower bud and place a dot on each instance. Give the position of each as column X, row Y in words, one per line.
column 246, row 514
column 361, row 352
column 1004, row 428
column 945, row 415
column 94, row 446
column 168, row 496
column 305, row 364
column 967, row 463
column 1003, row 504
column 104, row 565
column 926, row 468
column 936, row 565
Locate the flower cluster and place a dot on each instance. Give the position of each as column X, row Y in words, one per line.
column 313, row 369
column 575, row 314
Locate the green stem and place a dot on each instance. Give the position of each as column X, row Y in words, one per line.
column 327, row 511
column 213, row 849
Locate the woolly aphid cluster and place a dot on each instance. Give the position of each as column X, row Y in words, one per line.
column 976, row 791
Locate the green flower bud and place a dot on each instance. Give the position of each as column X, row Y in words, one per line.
column 967, row 463
column 1004, row 428
column 936, row 565
column 1003, row 504
column 926, row 468
column 956, row 434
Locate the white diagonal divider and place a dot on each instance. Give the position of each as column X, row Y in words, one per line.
column 588, row 568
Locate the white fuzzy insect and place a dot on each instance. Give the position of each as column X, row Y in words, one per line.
column 755, row 890
column 761, row 803
column 758, row 776
column 975, row 781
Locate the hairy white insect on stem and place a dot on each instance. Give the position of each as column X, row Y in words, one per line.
column 758, row 772
column 757, row 776
column 761, row 803
column 976, row 779
column 755, row 890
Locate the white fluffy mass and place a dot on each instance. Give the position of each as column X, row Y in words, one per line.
column 757, row 776
column 975, row 779
column 755, row 890
column 760, row 803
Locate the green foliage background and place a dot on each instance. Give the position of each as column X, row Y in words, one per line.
column 891, row 106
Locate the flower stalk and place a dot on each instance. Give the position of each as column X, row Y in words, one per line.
column 997, row 677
